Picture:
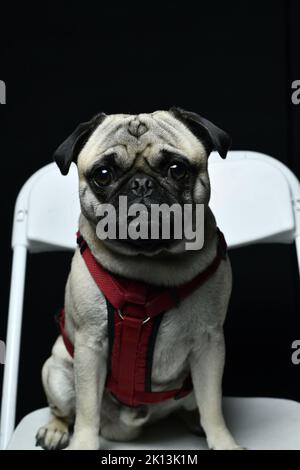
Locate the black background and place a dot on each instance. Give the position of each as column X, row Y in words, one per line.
column 232, row 62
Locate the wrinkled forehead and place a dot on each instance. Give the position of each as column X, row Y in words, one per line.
column 140, row 136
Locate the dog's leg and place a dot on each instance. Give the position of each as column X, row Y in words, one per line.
column 58, row 382
column 90, row 376
column 207, row 371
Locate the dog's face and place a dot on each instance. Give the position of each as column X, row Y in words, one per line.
column 158, row 158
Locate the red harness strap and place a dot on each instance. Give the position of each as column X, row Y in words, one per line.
column 135, row 310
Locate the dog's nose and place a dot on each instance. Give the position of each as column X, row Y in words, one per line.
column 142, row 186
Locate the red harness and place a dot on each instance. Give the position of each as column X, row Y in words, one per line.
column 135, row 310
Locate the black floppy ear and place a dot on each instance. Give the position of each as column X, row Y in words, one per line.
column 68, row 151
column 212, row 136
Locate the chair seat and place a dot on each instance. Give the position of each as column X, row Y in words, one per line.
column 256, row 423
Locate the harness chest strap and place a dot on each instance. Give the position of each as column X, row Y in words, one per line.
column 135, row 310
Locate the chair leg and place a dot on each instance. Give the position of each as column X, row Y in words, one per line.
column 13, row 339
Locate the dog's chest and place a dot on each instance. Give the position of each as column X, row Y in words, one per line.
column 181, row 328
column 175, row 337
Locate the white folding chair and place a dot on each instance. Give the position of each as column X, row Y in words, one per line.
column 255, row 199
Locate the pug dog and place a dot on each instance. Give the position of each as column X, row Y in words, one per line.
column 190, row 338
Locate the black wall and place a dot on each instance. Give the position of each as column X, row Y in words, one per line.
column 231, row 61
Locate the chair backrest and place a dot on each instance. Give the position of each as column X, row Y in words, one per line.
column 253, row 196
column 47, row 210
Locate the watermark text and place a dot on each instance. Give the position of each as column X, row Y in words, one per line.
column 2, row 352
column 296, row 93
column 157, row 222
column 2, row 92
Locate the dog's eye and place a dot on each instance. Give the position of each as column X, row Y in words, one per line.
column 102, row 177
column 177, row 171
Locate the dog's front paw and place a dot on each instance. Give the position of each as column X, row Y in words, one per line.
column 84, row 441
column 223, row 440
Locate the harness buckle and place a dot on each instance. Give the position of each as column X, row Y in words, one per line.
column 123, row 316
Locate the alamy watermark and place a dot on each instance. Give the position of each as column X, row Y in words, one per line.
column 157, row 222
column 2, row 352
column 296, row 354
column 2, row 92
column 296, row 94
